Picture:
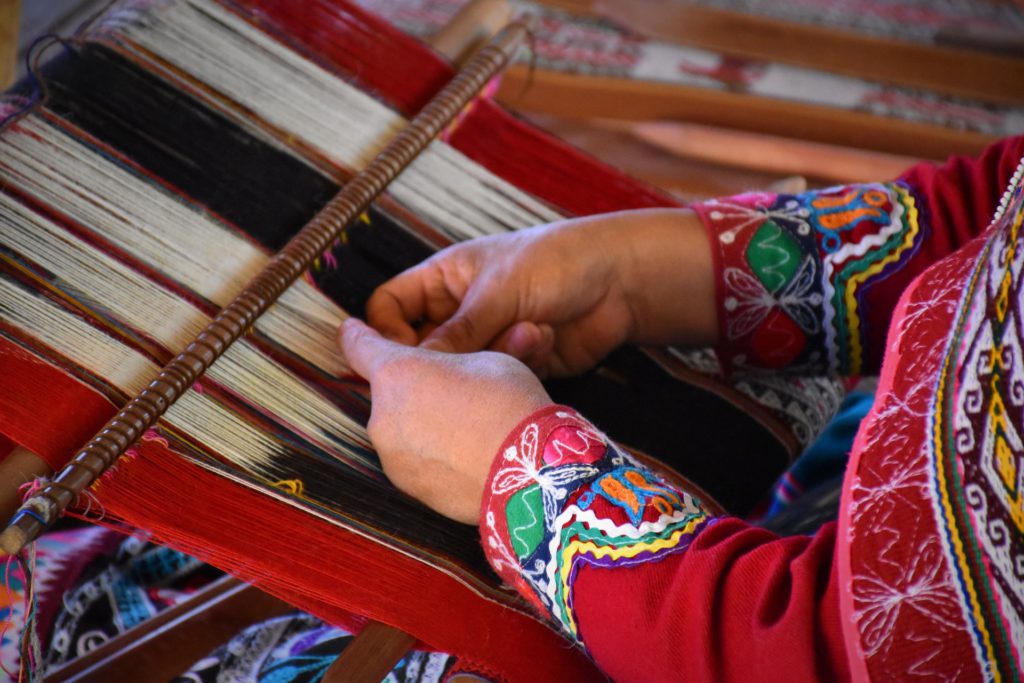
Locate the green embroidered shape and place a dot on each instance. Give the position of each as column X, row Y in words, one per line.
column 524, row 514
column 773, row 255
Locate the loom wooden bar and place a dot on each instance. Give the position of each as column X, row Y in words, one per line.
column 371, row 655
column 952, row 71
column 755, row 151
column 18, row 467
column 166, row 645
column 575, row 96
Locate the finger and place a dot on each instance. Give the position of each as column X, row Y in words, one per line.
column 521, row 340
column 384, row 312
column 364, row 349
column 540, row 358
column 480, row 318
column 417, row 293
column 531, row 343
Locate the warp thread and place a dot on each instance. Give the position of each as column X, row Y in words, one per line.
column 30, row 636
column 31, row 664
column 32, row 502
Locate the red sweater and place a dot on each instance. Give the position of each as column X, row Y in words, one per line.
column 648, row 580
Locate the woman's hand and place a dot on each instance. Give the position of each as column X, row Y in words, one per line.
column 559, row 297
column 439, row 419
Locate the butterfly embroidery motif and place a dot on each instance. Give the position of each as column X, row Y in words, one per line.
column 524, row 470
column 750, row 302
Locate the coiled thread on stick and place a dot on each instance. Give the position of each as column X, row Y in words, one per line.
column 45, row 506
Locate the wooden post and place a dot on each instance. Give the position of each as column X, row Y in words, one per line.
column 371, row 655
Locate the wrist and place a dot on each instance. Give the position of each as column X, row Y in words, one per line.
column 668, row 279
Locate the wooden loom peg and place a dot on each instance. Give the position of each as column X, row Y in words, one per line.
column 143, row 411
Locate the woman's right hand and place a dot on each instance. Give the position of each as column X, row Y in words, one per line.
column 559, row 297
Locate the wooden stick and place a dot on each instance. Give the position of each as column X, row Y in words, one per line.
column 767, row 153
column 574, row 96
column 472, row 26
column 168, row 644
column 371, row 655
column 10, row 18
column 20, row 466
column 949, row 70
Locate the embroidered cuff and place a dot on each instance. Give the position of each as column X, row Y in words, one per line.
column 562, row 496
column 792, row 271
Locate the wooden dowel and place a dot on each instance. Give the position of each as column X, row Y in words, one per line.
column 371, row 655
column 168, row 644
column 18, row 467
column 472, row 26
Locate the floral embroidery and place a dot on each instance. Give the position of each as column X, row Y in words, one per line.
column 794, row 267
column 563, row 497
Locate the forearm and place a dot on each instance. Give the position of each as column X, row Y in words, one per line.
column 669, row 278
column 643, row 575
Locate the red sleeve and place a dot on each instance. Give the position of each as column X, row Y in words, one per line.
column 739, row 601
column 640, row 574
column 808, row 282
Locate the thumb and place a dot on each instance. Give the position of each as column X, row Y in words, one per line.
column 478, row 321
column 365, row 349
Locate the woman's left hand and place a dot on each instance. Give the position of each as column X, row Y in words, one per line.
column 438, row 419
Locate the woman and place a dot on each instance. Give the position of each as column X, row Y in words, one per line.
column 924, row 573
